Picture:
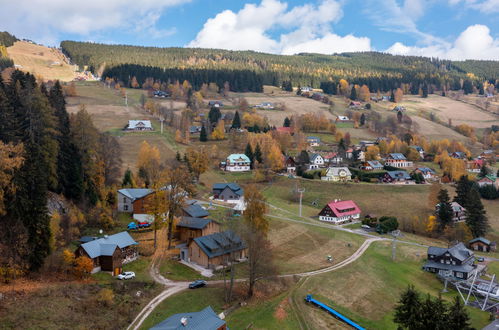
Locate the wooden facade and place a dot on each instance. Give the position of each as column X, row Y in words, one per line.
column 197, row 255
column 188, row 234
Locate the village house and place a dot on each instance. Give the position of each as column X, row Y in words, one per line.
column 355, row 105
column 227, row 192
column 474, row 166
column 283, row 129
column 215, row 104
column 342, row 119
column 482, row 244
column 337, row 174
column 139, row 125
column 398, row 108
column 265, row 105
column 109, row 253
column 316, row 159
column 365, row 143
column 237, row 163
column 214, row 250
column 195, row 129
column 290, row 164
column 313, row 141
column 339, row 211
column 419, row 149
column 333, row 158
column 371, row 165
column 426, row 172
column 397, row 160
column 306, row 89
column 488, row 155
column 458, row 155
column 397, row 177
column 128, row 196
column 206, row 319
column 349, row 153
column 458, row 212
column 489, row 180
column 189, row 228
column 454, row 262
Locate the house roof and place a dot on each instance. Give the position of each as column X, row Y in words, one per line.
column 399, row 175
column 194, row 223
column 132, row 124
column 458, row 268
column 418, row 148
column 232, row 186
column 456, row 207
column 135, row 193
column 458, row 154
column 218, row 244
column 425, row 170
column 339, row 207
column 335, row 171
column 105, row 246
column 313, row 138
column 375, row 164
column 489, row 177
column 458, row 251
column 343, row 118
column 196, row 211
column 206, row 319
column 480, row 239
column 313, row 157
column 238, row 157
column 396, row 156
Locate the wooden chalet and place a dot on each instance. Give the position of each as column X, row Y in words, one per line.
column 189, row 228
column 214, row 250
column 456, row 262
column 482, row 244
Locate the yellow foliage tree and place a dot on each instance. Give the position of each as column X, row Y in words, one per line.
column 343, row 86
column 219, row 131
column 105, row 297
column 364, row 93
column 178, row 137
column 372, row 153
column 198, row 161
column 338, row 136
column 275, row 159
column 83, row 267
column 431, row 224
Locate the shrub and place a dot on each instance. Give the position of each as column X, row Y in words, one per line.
column 105, row 297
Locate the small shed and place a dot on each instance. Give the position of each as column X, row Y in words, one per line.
column 482, row 244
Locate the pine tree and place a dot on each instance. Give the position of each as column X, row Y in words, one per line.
column 353, row 94
column 425, row 90
column 214, row 115
column 476, row 217
column 249, row 153
column 463, row 188
column 399, row 116
column 127, row 179
column 467, row 87
column 408, row 310
column 203, row 137
column 258, row 154
column 433, row 313
column 236, row 122
column 483, row 171
column 287, row 122
column 392, row 97
column 362, row 119
column 457, row 316
column 444, row 210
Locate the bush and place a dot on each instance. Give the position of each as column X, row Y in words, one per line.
column 488, row 192
column 105, row 297
column 146, row 250
column 387, row 224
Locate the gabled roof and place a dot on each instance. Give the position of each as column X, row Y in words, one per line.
column 458, row 251
column 232, row 186
column 343, row 118
column 335, row 171
column 196, row 211
column 418, row 148
column 425, row 170
column 456, row 207
column 489, row 177
column 194, row 223
column 105, row 246
column 142, row 123
column 313, row 157
column 338, row 206
column 399, row 175
column 238, row 157
column 480, row 239
column 313, row 138
column 396, row 156
column 135, row 193
column 374, row 164
column 218, row 244
column 206, row 319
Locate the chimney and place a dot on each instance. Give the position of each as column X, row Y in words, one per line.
column 183, row 321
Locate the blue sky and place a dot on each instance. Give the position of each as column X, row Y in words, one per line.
column 455, row 29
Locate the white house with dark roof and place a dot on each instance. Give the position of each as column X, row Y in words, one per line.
column 397, row 160
column 127, row 196
column 139, row 125
column 316, row 159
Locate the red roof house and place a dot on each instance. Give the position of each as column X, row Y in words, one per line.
column 285, row 130
column 339, row 211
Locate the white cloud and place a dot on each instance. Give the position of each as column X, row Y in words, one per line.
column 473, row 43
column 43, row 20
column 307, row 29
column 484, row 6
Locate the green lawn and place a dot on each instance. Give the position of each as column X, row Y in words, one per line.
column 367, row 290
column 176, row 271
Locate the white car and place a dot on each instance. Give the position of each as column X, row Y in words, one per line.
column 126, row 276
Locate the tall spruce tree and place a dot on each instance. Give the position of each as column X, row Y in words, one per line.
column 258, row 154
column 463, row 188
column 444, row 210
column 214, row 115
column 203, row 137
column 362, row 119
column 476, row 217
column 236, row 122
column 408, row 309
column 457, row 316
column 353, row 94
column 287, row 122
column 249, row 153
column 425, row 90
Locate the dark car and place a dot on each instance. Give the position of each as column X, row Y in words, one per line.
column 480, row 259
column 197, row 284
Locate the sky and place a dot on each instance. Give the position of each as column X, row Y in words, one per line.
column 448, row 29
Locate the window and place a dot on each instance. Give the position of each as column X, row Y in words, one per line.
column 125, row 207
column 124, row 199
column 441, row 261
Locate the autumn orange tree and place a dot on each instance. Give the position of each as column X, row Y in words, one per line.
column 364, row 93
column 198, row 161
column 83, row 267
column 372, row 153
column 148, row 163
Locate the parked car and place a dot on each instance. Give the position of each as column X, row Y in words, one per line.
column 480, row 259
column 197, row 284
column 126, row 276
column 144, row 224
column 132, row 226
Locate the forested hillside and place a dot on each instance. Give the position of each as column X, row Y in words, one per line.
column 377, row 70
column 42, row 150
column 6, row 40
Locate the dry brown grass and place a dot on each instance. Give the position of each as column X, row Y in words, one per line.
column 38, row 60
column 109, row 117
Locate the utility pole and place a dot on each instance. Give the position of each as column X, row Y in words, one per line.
column 161, row 119
column 301, row 191
column 126, row 99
